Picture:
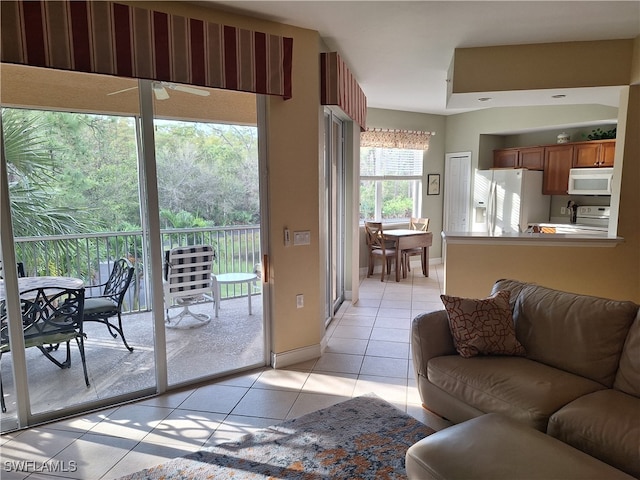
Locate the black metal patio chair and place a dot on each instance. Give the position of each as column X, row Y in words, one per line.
column 50, row 316
column 102, row 308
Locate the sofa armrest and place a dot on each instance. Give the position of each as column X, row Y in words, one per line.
column 430, row 337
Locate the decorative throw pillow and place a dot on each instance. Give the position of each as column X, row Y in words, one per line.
column 482, row 326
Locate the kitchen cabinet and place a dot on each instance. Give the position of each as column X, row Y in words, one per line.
column 558, row 160
column 594, row 154
column 529, row 157
column 506, row 158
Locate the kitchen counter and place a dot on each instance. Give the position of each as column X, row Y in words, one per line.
column 595, row 239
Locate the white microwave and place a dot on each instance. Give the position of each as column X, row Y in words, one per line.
column 590, row 181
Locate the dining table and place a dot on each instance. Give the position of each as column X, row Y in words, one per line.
column 29, row 283
column 405, row 239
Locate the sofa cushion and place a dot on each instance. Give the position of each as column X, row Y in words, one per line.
column 604, row 424
column 494, row 447
column 628, row 376
column 515, row 386
column 577, row 333
column 482, row 326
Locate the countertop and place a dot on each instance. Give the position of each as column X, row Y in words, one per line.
column 595, row 239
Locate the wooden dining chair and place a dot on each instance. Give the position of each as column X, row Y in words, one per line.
column 378, row 248
column 421, row 224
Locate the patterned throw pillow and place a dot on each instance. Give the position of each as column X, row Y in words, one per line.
column 483, row 326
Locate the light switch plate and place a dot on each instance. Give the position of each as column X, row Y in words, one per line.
column 302, row 238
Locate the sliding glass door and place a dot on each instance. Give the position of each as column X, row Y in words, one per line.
column 113, row 170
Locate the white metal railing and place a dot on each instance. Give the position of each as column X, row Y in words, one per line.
column 91, row 256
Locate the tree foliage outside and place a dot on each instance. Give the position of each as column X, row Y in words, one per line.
column 78, row 173
column 397, row 201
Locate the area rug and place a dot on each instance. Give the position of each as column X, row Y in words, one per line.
column 361, row 438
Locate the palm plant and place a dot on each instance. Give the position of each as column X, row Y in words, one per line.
column 31, row 171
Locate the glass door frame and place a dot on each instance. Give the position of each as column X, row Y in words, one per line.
column 335, row 189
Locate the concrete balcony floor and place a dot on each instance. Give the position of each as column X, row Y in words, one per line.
column 230, row 342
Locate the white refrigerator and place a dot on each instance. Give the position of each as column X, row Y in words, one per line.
column 508, row 200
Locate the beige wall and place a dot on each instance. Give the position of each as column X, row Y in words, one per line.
column 542, row 66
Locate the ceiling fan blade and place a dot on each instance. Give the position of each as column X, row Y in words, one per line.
column 122, row 91
column 192, row 90
column 160, row 92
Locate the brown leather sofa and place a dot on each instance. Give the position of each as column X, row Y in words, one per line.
column 578, row 382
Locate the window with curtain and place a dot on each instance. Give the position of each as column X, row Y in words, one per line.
column 390, row 184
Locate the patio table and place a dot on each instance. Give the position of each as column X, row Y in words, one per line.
column 28, row 283
column 230, row 279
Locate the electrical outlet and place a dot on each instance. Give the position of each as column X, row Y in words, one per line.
column 299, row 300
column 563, row 210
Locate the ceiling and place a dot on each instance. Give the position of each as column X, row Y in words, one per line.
column 400, row 51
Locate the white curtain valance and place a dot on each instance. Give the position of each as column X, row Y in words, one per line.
column 386, row 138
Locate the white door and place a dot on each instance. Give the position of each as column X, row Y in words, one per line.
column 457, row 192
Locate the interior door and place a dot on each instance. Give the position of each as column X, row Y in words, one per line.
column 457, row 192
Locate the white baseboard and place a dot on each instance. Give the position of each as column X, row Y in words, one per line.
column 299, row 355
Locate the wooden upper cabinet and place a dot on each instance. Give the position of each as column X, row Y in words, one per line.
column 558, row 160
column 593, row 154
column 507, row 158
column 531, row 158
column 608, row 153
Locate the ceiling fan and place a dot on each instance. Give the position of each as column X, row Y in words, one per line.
column 160, row 90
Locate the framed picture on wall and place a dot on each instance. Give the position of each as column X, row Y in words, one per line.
column 433, row 184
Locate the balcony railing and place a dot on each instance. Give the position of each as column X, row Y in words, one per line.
column 91, row 256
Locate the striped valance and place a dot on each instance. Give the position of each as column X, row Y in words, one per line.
column 116, row 39
column 385, row 138
column 339, row 87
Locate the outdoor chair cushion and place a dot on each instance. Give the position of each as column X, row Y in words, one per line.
column 94, row 305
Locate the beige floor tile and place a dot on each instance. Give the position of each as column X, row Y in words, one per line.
column 339, row 362
column 236, row 426
column 132, row 421
column 383, row 348
column 281, row 379
column 265, row 403
column 214, row 398
column 146, row 455
column 94, row 455
column 341, row 384
column 350, row 331
column 391, row 389
column 185, row 428
column 310, row 402
column 346, row 345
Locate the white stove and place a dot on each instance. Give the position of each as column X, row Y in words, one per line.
column 593, row 216
column 592, row 219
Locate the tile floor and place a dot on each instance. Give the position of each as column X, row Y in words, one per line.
column 368, row 351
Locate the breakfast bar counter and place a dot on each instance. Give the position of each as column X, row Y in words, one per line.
column 533, row 239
